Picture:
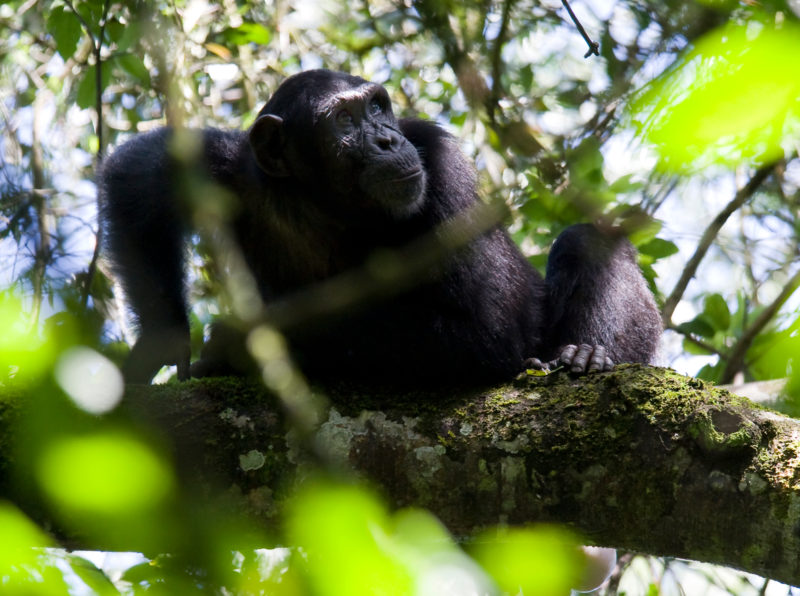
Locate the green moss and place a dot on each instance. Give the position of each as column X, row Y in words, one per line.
column 500, row 400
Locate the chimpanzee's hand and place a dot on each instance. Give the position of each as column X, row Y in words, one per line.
column 584, row 358
column 578, row 358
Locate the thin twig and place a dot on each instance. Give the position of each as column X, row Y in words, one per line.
column 736, row 357
column 594, row 47
column 497, row 60
column 97, row 46
column 689, row 271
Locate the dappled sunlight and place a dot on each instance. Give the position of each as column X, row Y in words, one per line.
column 90, row 379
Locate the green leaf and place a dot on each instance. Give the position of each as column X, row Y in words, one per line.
column 698, row 326
column 115, row 30
column 135, row 67
column 131, row 35
column 710, row 373
column 249, row 33
column 624, row 184
column 732, row 98
column 86, row 89
column 343, row 530
column 658, row 248
column 65, row 28
column 716, row 312
column 104, row 473
column 536, row 560
column 692, row 348
column 586, row 162
column 774, row 354
column 644, row 231
column 93, row 577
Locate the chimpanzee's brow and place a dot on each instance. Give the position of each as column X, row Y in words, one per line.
column 362, row 92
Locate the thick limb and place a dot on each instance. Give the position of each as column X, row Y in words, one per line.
column 143, row 234
column 598, row 298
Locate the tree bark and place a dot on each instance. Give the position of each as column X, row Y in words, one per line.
column 638, row 458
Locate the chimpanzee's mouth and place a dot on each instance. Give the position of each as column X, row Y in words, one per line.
column 409, row 176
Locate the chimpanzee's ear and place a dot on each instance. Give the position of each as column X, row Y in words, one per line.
column 267, row 141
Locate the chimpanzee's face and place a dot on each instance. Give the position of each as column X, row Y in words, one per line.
column 365, row 151
column 341, row 128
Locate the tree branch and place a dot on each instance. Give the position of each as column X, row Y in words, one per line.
column 735, row 360
column 741, row 197
column 594, row 47
column 638, row 458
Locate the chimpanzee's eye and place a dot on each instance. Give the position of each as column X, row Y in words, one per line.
column 375, row 107
column 344, row 117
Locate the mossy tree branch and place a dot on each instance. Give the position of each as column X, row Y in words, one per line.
column 639, row 458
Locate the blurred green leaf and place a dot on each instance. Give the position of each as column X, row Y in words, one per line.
column 658, row 248
column 542, row 560
column 698, row 326
column 94, row 578
column 105, row 473
column 135, row 67
column 732, row 98
column 23, row 352
column 711, row 372
column 86, row 89
column 643, row 230
column 692, row 348
column 248, row 33
column 350, row 540
column 625, row 184
column 131, row 35
column 586, row 163
column 115, row 30
column 776, row 353
column 343, row 529
column 23, row 567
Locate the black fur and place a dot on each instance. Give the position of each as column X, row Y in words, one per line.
column 319, row 189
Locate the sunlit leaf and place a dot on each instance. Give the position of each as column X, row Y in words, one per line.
column 733, row 97
column 103, row 473
column 23, row 570
column 19, row 534
column 349, row 539
column 658, row 248
column 248, row 33
column 94, row 579
column 543, row 560
column 775, row 354
column 23, row 352
column 341, row 529
column 438, row 566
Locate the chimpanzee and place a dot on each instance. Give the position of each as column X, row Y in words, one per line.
column 325, row 177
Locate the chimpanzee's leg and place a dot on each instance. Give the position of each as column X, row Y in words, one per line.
column 600, row 309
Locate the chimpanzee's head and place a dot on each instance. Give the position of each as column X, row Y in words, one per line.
column 337, row 133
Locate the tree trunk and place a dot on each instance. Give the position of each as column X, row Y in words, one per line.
column 638, row 458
